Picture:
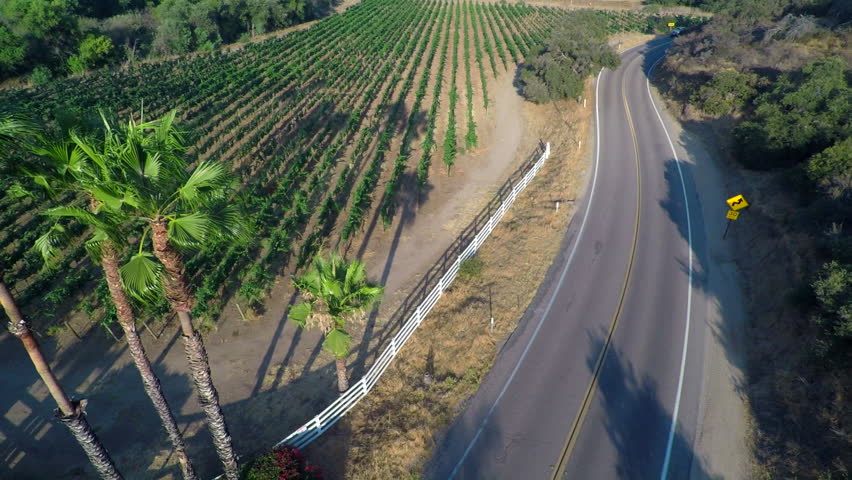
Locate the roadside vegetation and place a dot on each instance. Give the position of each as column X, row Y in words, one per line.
column 773, row 81
column 577, row 48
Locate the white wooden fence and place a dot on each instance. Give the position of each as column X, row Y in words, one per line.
column 328, row 417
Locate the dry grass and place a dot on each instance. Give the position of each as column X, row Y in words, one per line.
column 392, row 432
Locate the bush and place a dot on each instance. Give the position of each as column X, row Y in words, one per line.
column 833, row 292
column 800, row 115
column 832, row 169
column 41, row 75
column 726, row 92
column 574, row 51
column 470, row 268
column 282, row 463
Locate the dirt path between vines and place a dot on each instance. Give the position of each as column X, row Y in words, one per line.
column 471, row 184
column 271, row 377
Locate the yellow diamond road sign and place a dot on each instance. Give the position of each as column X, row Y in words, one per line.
column 732, row 215
column 671, row 24
column 737, row 203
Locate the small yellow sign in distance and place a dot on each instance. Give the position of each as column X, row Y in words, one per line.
column 671, row 24
column 732, row 215
column 737, row 203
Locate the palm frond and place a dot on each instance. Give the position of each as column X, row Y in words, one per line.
column 227, row 222
column 94, row 245
column 355, row 275
column 91, row 148
column 141, row 277
column 202, row 182
column 299, row 313
column 106, row 224
column 309, row 283
column 50, row 243
column 19, row 191
column 189, row 230
column 77, row 213
column 337, row 342
column 15, row 128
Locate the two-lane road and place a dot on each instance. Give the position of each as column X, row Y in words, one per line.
column 602, row 379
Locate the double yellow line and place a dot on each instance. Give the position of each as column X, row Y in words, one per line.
column 573, row 433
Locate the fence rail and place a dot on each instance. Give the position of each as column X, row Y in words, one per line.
column 334, row 412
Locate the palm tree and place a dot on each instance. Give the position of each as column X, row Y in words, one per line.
column 150, row 184
column 63, row 166
column 335, row 292
column 71, row 413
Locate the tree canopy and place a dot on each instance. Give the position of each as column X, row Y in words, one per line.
column 575, row 50
column 72, row 36
column 802, row 114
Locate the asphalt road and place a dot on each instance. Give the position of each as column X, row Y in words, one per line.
column 589, row 384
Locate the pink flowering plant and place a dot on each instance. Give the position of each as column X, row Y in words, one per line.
column 282, row 463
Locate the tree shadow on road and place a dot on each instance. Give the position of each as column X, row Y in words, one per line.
column 636, row 422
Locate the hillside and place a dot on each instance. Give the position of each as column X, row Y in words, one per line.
column 770, row 85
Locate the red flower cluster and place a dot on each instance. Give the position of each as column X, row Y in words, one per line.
column 283, row 463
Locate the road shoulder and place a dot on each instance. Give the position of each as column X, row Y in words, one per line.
column 720, row 444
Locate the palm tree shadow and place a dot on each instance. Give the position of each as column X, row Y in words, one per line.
column 33, row 442
column 408, row 200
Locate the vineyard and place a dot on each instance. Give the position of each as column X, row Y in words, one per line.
column 320, row 127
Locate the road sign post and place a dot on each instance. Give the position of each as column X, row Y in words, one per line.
column 736, row 204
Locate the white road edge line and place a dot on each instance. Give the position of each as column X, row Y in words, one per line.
column 665, row 471
column 553, row 297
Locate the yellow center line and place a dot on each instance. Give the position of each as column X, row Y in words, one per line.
column 573, row 433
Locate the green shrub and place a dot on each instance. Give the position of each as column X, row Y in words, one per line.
column 801, row 114
column 726, row 92
column 40, row 76
column 575, row 50
column 282, row 463
column 833, row 292
column 832, row 168
column 470, row 268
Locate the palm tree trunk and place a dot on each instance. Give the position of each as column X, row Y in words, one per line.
column 342, row 380
column 127, row 320
column 71, row 413
column 181, row 300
